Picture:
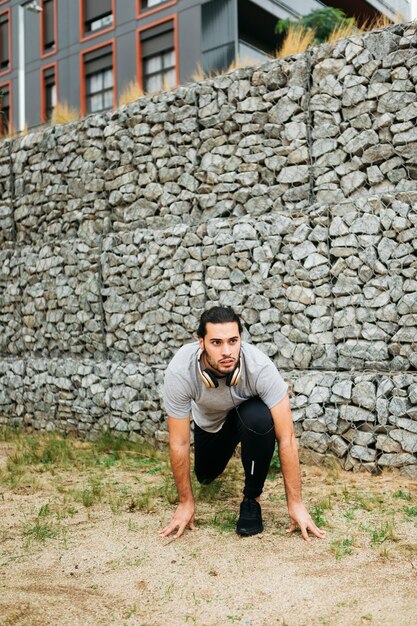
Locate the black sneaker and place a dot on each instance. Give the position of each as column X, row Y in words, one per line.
column 250, row 518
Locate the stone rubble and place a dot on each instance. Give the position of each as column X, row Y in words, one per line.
column 288, row 191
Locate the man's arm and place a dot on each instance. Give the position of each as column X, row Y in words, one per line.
column 290, row 465
column 179, row 451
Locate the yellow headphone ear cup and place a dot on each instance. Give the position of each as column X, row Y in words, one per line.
column 209, row 381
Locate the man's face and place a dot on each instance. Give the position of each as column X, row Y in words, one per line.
column 221, row 347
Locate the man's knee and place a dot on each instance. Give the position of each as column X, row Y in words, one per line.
column 203, row 479
column 255, row 416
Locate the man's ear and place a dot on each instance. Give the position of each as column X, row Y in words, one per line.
column 201, row 342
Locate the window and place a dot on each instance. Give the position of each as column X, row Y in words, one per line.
column 218, row 34
column 4, row 42
column 48, row 25
column 4, row 109
column 98, row 15
column 158, row 57
column 49, row 91
column 98, row 71
column 150, row 4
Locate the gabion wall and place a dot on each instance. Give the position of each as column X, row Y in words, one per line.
column 288, row 191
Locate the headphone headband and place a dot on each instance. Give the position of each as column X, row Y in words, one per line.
column 210, row 380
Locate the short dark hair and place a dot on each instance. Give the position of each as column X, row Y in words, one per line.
column 218, row 315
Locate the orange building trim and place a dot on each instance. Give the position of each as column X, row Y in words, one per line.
column 139, row 71
column 141, row 12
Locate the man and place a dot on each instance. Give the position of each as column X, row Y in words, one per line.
column 234, row 394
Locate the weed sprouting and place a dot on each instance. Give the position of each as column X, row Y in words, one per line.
column 410, row 512
column 40, row 531
column 342, row 548
column 224, row 520
column 8, row 434
column 385, row 533
column 209, row 493
column 44, row 510
column 42, row 528
column 90, row 495
column 318, row 510
column 350, row 514
column 317, row 515
column 402, row 495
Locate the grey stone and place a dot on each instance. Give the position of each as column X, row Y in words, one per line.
column 315, row 441
column 338, row 445
column 363, row 454
column 386, row 444
column 407, row 439
column 356, row 414
column 364, row 394
column 396, row 460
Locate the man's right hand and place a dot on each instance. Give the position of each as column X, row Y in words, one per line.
column 183, row 517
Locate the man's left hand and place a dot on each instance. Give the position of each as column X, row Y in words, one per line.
column 300, row 517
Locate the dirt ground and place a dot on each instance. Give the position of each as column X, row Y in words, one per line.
column 80, row 545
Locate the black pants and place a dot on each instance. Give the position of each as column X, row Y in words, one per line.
column 252, row 425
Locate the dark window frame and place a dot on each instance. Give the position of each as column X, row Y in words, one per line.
column 141, row 10
column 85, row 33
column 94, row 56
column 46, row 73
column 50, row 50
column 5, row 131
column 140, row 57
column 8, row 21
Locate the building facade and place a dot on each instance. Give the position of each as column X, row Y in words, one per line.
column 85, row 52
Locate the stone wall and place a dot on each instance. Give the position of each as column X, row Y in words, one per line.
column 288, row 191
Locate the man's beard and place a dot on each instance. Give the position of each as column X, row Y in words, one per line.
column 215, row 366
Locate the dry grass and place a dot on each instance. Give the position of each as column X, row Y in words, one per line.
column 63, row 113
column 239, row 63
column 296, row 41
column 343, row 31
column 382, row 21
column 131, row 93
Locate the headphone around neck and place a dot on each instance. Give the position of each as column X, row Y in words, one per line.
column 209, row 379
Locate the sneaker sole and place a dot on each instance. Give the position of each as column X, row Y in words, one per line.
column 246, row 533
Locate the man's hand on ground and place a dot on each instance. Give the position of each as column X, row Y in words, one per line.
column 183, row 517
column 300, row 517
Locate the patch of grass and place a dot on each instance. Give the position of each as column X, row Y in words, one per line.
column 317, row 512
column 224, row 520
column 144, row 501
column 90, row 495
column 210, row 492
column 8, row 434
column 350, row 514
column 318, row 517
column 41, row 528
column 342, row 547
column 402, row 495
column 369, row 501
column 410, row 512
column 386, row 532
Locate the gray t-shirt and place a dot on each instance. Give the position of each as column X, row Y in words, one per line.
column 186, row 395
